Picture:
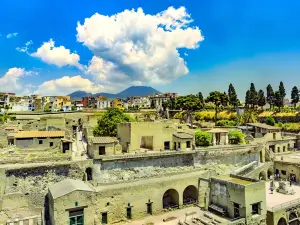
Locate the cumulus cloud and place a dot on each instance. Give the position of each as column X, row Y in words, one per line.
column 66, row 85
column 11, row 35
column 25, row 48
column 134, row 47
column 59, row 56
column 10, row 82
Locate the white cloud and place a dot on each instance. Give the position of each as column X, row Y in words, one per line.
column 134, row 47
column 59, row 56
column 25, row 48
column 11, row 35
column 10, row 82
column 66, row 85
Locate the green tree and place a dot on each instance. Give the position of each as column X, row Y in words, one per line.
column 278, row 100
column 270, row 96
column 232, row 96
column 200, row 96
column 202, row 138
column 261, row 99
column 73, row 108
column 4, row 118
column 189, row 103
column 218, row 99
column 253, row 98
column 236, row 137
column 295, row 96
column 270, row 121
column 224, row 99
column 247, row 117
column 282, row 91
column 107, row 124
column 247, row 99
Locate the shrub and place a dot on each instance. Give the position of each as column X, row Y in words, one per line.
column 236, row 137
column 291, row 127
column 226, row 123
column 202, row 138
column 270, row 121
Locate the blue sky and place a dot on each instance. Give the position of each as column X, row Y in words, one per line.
column 228, row 42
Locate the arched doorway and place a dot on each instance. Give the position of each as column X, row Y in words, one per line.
column 262, row 175
column 293, row 219
column 89, row 173
column 190, row 195
column 270, row 172
column 282, row 221
column 170, row 199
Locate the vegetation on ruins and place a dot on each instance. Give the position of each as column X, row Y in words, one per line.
column 202, row 138
column 236, row 137
column 107, row 124
column 248, row 116
column 226, row 123
column 270, row 121
column 218, row 99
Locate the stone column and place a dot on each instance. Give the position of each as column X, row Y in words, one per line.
column 226, row 139
column 213, row 139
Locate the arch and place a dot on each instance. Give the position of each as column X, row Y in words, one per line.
column 89, row 173
column 190, row 195
column 170, row 199
column 293, row 216
column 282, row 221
column 270, row 172
column 262, row 175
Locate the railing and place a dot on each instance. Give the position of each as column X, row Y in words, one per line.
column 285, row 205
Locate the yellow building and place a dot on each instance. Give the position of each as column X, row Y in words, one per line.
column 118, row 103
column 62, row 103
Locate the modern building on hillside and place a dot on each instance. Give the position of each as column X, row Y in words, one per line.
column 157, row 100
column 139, row 102
column 103, row 103
column 118, row 103
column 89, row 101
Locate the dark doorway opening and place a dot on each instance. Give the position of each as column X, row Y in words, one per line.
column 179, row 145
column 282, row 221
column 128, row 213
column 149, row 207
column 101, row 150
column 236, row 210
column 170, row 199
column 89, row 173
column 188, row 144
column 175, row 147
column 190, row 195
column 66, row 147
column 104, row 218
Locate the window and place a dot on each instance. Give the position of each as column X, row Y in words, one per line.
column 278, row 149
column 283, row 148
column 101, row 150
column 256, row 208
column 274, row 136
column 104, row 218
column 76, row 217
column 236, row 210
column 179, row 127
column 51, row 144
column 40, row 142
column 188, row 144
column 283, row 172
column 167, row 145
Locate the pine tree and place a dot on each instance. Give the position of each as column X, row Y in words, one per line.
column 247, row 99
column 295, row 95
column 232, row 96
column 278, row 99
column 253, row 96
column 200, row 96
column 270, row 95
column 261, row 99
column 282, row 92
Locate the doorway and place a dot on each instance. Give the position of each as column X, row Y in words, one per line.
column 175, row 147
column 147, row 142
column 149, row 207
column 104, row 218
column 128, row 212
column 66, row 147
column 166, row 145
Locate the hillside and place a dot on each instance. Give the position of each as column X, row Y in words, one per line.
column 131, row 91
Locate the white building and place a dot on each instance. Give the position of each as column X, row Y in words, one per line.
column 140, row 102
column 103, row 104
column 158, row 99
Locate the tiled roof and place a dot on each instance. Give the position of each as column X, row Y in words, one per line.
column 182, row 135
column 264, row 126
column 39, row 134
column 217, row 130
column 67, row 186
column 103, row 140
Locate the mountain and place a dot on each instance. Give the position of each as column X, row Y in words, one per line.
column 131, row 91
column 137, row 91
column 79, row 94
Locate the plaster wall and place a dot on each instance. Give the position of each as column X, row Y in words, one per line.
column 93, row 150
column 34, row 142
column 289, row 169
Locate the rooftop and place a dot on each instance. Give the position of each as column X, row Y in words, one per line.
column 67, row 186
column 183, row 135
column 293, row 158
column 235, row 180
column 217, row 130
column 264, row 126
column 103, row 140
column 39, row 134
column 277, row 200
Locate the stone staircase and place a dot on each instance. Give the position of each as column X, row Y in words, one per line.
column 261, row 167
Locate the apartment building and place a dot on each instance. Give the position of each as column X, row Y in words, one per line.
column 158, row 99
